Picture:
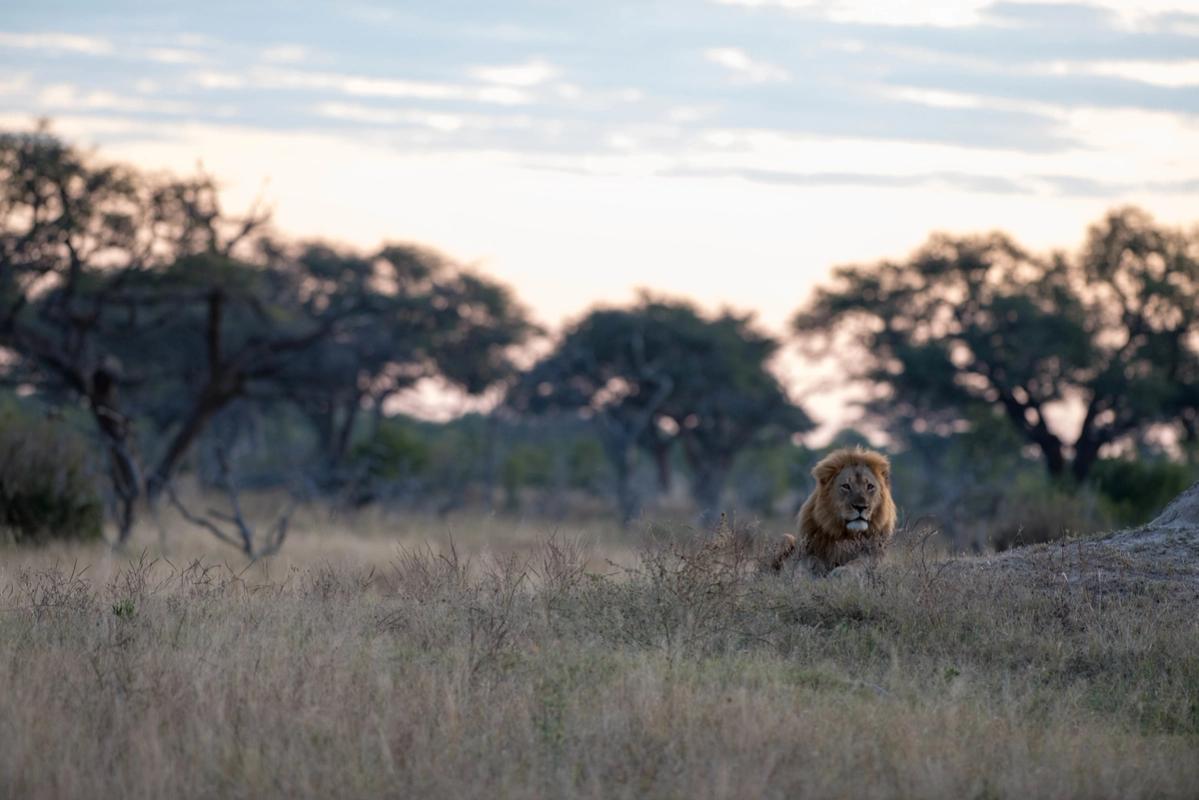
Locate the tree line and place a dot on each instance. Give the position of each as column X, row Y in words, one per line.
column 135, row 300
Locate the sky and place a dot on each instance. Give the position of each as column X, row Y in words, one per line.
column 729, row 151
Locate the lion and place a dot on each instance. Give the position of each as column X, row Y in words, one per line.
column 849, row 514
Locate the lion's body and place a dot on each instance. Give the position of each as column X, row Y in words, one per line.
column 849, row 514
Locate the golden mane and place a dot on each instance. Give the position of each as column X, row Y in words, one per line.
column 825, row 539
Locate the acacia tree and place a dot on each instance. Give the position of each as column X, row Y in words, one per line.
column 977, row 322
column 145, row 301
column 661, row 372
column 75, row 236
column 428, row 318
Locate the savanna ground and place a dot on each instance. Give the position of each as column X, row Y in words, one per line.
column 384, row 659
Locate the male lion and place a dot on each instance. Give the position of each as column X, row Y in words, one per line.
column 849, row 514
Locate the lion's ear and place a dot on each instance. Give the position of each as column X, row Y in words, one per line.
column 884, row 474
column 824, row 472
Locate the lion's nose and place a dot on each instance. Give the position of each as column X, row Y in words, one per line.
column 861, row 509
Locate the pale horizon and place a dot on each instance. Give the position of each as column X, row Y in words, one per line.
column 728, row 152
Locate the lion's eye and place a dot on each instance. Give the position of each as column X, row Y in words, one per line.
column 870, row 487
column 845, row 487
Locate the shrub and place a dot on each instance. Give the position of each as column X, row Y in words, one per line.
column 1136, row 491
column 394, row 453
column 1036, row 511
column 48, row 488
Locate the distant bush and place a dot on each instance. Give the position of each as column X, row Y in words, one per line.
column 526, row 465
column 48, row 489
column 395, row 452
column 1136, row 491
column 1036, row 511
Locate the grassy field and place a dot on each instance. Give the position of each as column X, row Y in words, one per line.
column 379, row 661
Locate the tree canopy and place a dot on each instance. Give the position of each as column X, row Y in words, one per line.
column 662, row 372
column 142, row 298
column 970, row 325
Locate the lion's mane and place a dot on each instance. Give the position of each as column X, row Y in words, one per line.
column 825, row 542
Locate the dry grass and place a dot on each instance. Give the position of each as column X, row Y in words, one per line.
column 510, row 665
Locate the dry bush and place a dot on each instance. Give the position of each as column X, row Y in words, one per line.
column 1046, row 515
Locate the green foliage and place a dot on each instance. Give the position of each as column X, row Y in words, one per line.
column 1036, row 510
column 526, row 465
column 394, row 452
column 1136, row 491
column 48, row 489
column 124, row 609
column 661, row 372
column 976, row 321
column 138, row 297
column 585, row 464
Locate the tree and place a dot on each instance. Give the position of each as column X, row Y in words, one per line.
column 74, row 236
column 976, row 323
column 428, row 318
column 661, row 372
column 142, row 298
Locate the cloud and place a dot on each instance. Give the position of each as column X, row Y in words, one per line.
column 746, row 69
column 529, row 73
column 1170, row 74
column 989, row 184
column 210, row 79
column 446, row 123
column 284, row 54
column 399, row 88
column 69, row 97
column 968, row 13
column 1081, row 186
column 361, row 86
column 14, row 84
column 174, row 55
column 63, row 42
column 893, row 12
column 1056, row 15
column 975, row 183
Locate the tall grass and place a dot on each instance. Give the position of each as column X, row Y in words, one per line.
column 548, row 671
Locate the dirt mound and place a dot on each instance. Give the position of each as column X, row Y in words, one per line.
column 1172, row 538
column 1183, row 511
column 1166, row 549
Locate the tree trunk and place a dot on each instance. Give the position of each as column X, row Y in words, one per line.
column 123, row 469
column 707, row 487
column 629, row 504
column 203, row 411
column 620, row 456
column 1086, row 453
column 662, row 462
column 345, row 432
column 1055, row 461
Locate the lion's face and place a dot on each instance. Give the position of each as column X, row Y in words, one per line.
column 850, row 512
column 856, row 493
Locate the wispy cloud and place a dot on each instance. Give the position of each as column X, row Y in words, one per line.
column 69, row 97
column 14, row 84
column 745, row 68
column 990, row 184
column 447, row 123
column 533, row 72
column 920, row 12
column 59, row 42
column 1171, row 74
column 979, row 183
column 285, row 54
column 174, row 55
column 363, row 86
column 211, row 79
